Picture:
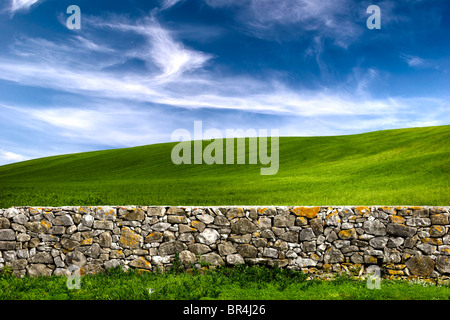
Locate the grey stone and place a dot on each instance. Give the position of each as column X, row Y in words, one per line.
column 400, row 230
column 156, row 211
column 76, row 258
column 392, row 256
column 11, row 213
column 105, row 240
column 174, row 219
column 333, row 219
column 270, row 252
column 437, row 231
column 9, row 255
column 357, row 258
column 234, row 259
column 243, row 226
column 410, row 242
column 443, row 264
column 444, row 250
column 198, row 248
column 378, row 242
column 171, row 247
column 103, row 225
column 93, row 268
column 221, row 221
column 418, row 222
column 42, row 257
column 206, row 218
column 247, row 250
column 94, row 251
column 23, row 254
column 35, row 226
column 161, row 260
column 332, row 236
column 135, row 214
column 333, row 256
column 212, row 258
column 59, row 262
column 64, row 220
column 69, row 244
column 446, row 239
column 427, row 248
column 309, row 246
column 264, row 223
column 187, row 258
column 290, row 236
column 87, row 220
column 268, row 234
column 186, row 237
column 208, row 236
column 62, row 272
column 420, row 265
column 316, row 225
column 347, row 225
column 339, row 244
column 284, row 220
column 307, row 234
column 199, row 225
column 375, row 227
column 37, row 270
column 7, row 235
column 4, row 223
column 20, row 218
column 113, row 263
column 226, row 248
column 439, row 219
column 394, row 242
column 304, row 262
column 349, row 249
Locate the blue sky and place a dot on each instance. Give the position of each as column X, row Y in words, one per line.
column 139, row 69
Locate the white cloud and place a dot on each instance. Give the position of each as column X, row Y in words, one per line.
column 413, row 61
column 162, row 50
column 166, row 4
column 10, row 157
column 331, row 19
column 20, row 5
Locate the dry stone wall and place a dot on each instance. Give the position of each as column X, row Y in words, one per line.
column 402, row 241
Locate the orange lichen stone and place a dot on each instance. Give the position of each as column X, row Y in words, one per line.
column 308, row 212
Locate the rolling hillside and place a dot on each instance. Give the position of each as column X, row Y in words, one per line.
column 392, row 167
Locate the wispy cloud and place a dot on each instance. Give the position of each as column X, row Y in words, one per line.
column 170, row 56
column 190, row 86
column 414, row 61
column 166, row 4
column 8, row 157
column 22, row 5
column 268, row 18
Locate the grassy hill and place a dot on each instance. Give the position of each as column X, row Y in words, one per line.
column 392, row 167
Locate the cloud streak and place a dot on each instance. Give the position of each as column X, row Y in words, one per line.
column 22, row 5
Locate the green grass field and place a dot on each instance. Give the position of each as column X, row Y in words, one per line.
column 392, row 167
column 239, row 283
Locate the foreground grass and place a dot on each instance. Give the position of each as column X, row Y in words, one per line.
column 392, row 167
column 240, row 283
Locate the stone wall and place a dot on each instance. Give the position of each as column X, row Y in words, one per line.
column 402, row 241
